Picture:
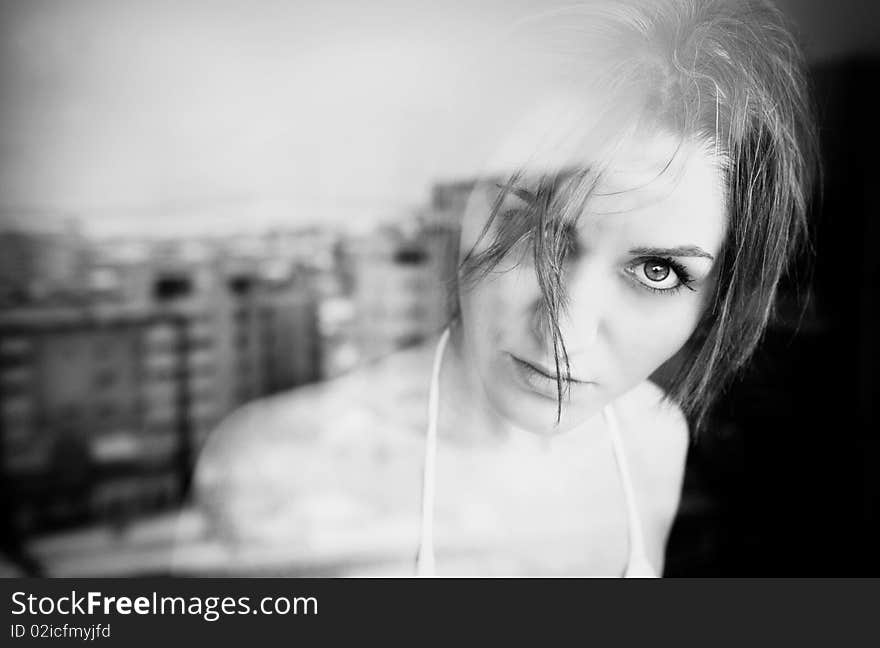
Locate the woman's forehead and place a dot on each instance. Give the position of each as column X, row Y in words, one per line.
column 658, row 171
column 660, row 190
column 683, row 204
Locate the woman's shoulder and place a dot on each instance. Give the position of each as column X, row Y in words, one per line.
column 655, row 432
column 275, row 442
column 384, row 397
column 656, row 437
column 651, row 420
column 339, row 455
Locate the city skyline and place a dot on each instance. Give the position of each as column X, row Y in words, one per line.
column 245, row 215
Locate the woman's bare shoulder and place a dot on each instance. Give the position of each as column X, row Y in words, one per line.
column 278, row 442
column 652, row 422
column 384, row 397
column 283, row 470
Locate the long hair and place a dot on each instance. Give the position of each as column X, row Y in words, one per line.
column 730, row 76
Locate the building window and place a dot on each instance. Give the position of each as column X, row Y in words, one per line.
column 12, row 388
column 69, row 413
column 201, row 344
column 14, row 347
column 106, row 412
column 161, row 373
column 410, row 256
column 167, row 288
column 105, row 379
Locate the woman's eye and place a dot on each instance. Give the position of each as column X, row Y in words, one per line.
column 658, row 274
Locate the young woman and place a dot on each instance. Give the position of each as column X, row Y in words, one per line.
column 618, row 264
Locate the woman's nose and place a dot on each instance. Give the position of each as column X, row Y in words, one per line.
column 587, row 291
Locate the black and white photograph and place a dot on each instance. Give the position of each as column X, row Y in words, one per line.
column 399, row 289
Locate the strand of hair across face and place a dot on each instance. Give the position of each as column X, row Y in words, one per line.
column 425, row 558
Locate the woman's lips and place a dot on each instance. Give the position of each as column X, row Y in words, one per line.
column 539, row 379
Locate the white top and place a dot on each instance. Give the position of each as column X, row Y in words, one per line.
column 638, row 565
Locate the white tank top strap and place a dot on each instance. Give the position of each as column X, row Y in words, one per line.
column 425, row 556
column 638, row 565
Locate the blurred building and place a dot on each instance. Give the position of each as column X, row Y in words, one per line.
column 105, row 404
column 451, row 197
column 275, row 302
column 119, row 357
column 75, row 420
column 438, row 233
column 289, row 328
column 400, row 278
column 42, row 257
column 276, row 342
column 337, row 322
column 187, row 287
column 120, row 270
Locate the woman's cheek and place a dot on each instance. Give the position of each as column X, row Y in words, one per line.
column 483, row 309
column 647, row 337
column 507, row 300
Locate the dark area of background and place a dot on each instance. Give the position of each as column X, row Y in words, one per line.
column 785, row 482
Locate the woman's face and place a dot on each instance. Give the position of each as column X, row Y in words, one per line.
column 637, row 282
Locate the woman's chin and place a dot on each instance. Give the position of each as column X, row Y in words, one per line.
column 537, row 413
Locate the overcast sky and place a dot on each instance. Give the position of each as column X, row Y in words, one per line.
column 163, row 114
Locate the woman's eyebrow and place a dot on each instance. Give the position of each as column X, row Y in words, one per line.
column 679, row 251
